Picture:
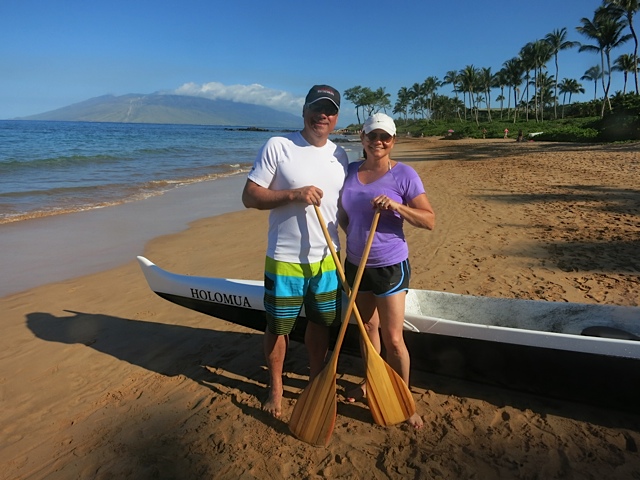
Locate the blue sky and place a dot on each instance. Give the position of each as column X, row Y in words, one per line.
column 54, row 53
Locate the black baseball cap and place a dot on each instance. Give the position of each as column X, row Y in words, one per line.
column 323, row 92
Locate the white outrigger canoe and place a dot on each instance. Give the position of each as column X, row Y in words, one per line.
column 583, row 352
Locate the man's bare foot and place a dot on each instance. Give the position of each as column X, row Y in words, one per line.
column 273, row 403
column 415, row 421
column 357, row 393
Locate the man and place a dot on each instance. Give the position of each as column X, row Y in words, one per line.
column 290, row 175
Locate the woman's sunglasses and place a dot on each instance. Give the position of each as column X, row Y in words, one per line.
column 384, row 137
column 327, row 109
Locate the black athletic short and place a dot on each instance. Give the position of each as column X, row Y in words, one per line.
column 381, row 281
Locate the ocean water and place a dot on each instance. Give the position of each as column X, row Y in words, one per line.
column 49, row 168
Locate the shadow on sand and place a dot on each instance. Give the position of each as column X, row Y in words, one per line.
column 209, row 357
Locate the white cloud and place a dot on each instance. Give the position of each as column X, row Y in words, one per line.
column 254, row 94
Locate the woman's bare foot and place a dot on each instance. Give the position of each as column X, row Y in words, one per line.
column 357, row 393
column 273, row 403
column 415, row 421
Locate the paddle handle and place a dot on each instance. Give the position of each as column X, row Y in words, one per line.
column 389, row 397
column 356, row 282
column 343, row 278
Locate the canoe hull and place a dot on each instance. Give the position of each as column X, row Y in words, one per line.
column 592, row 370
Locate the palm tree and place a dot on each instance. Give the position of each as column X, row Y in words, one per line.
column 628, row 8
column 557, row 41
column 486, row 81
column 500, row 81
column 501, row 98
column 368, row 101
column 469, row 82
column 527, row 60
column 459, row 87
column 546, row 89
column 355, row 96
column 593, row 74
column 417, row 101
column 513, row 71
column 445, row 107
column 626, row 64
column 414, row 109
column 541, row 55
column 402, row 104
column 564, row 87
column 606, row 29
column 569, row 86
column 453, row 77
column 380, row 101
column 429, row 87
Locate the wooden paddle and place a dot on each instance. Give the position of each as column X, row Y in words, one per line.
column 389, row 397
column 314, row 414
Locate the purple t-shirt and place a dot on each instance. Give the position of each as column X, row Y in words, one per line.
column 389, row 247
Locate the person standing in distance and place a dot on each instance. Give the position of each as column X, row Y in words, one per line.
column 291, row 174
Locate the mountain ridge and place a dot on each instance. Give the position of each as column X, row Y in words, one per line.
column 169, row 109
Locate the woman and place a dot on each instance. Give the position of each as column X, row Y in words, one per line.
column 396, row 189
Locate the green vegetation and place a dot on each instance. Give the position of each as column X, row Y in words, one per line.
column 623, row 121
column 528, row 95
column 582, row 125
column 568, row 130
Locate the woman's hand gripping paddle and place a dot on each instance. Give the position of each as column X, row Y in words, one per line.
column 389, row 398
column 314, row 415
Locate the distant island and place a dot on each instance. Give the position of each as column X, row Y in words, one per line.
column 170, row 109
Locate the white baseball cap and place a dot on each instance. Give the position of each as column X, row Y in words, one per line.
column 380, row 121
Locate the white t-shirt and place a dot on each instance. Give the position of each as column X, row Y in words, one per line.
column 289, row 162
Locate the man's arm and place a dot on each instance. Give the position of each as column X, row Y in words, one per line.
column 255, row 196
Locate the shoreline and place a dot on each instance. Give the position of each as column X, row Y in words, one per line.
column 101, row 378
column 99, row 239
column 161, row 188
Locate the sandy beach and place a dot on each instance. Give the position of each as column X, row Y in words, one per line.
column 100, row 378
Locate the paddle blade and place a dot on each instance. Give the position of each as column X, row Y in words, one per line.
column 314, row 414
column 390, row 400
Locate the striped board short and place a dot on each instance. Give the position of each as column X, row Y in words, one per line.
column 289, row 286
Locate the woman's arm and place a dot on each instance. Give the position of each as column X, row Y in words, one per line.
column 418, row 212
